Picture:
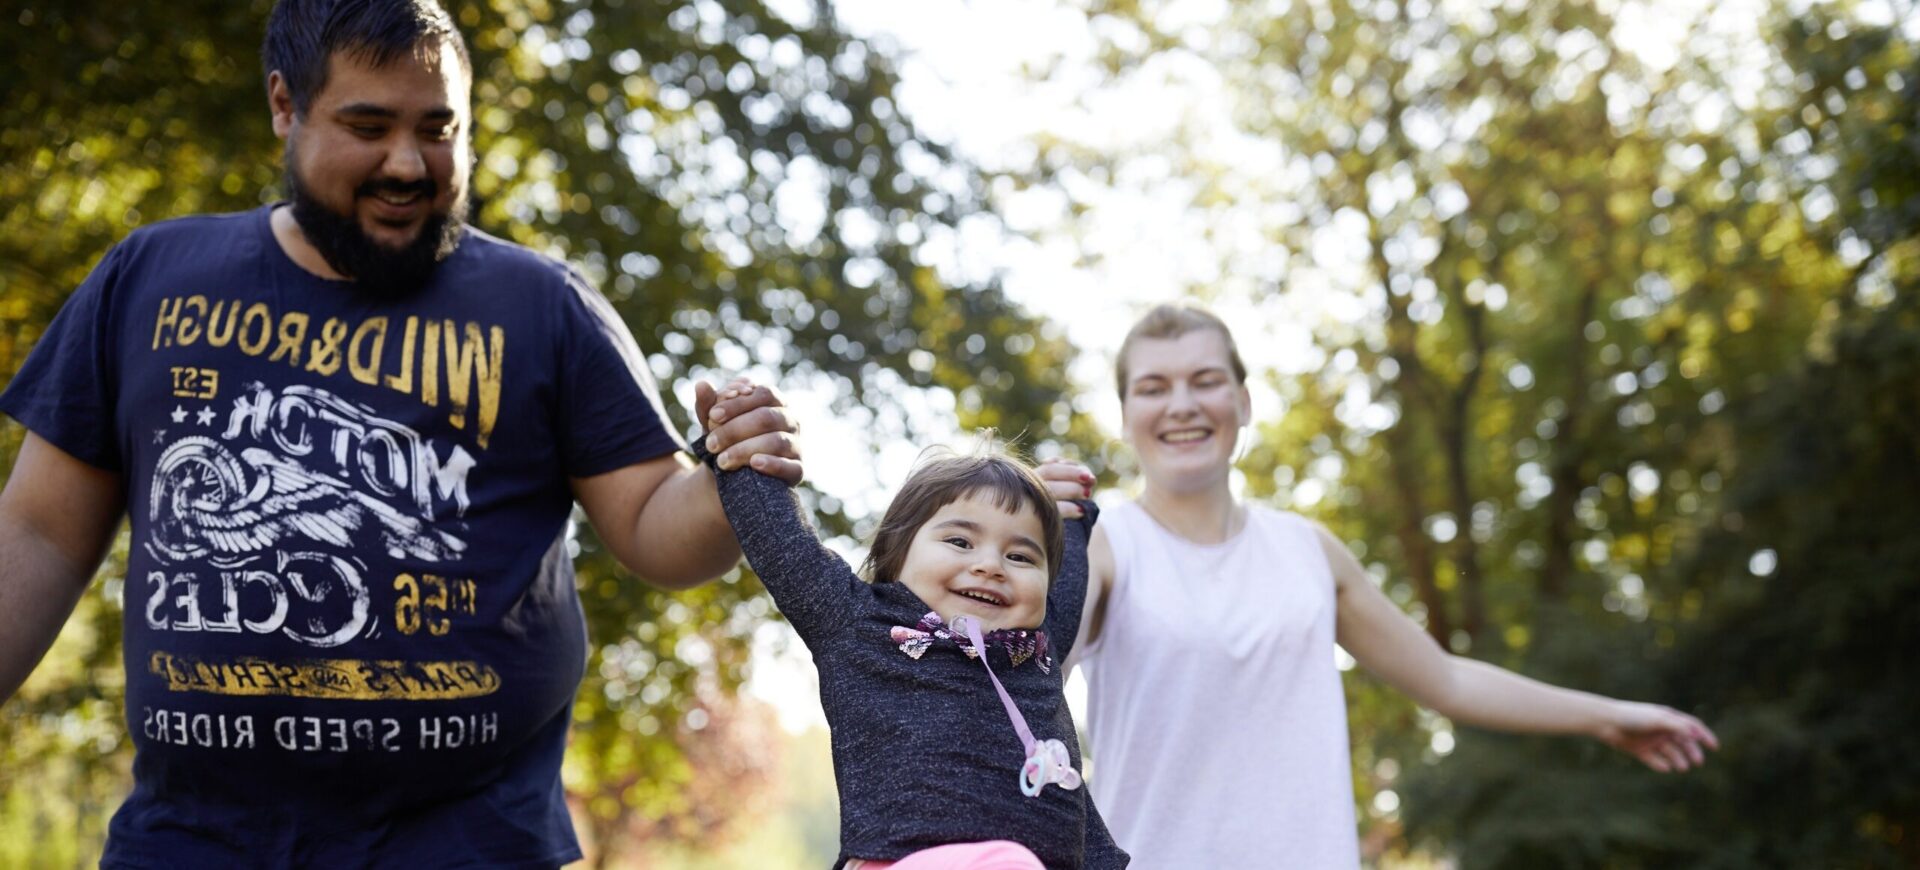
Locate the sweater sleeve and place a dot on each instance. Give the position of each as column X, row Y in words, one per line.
column 814, row 588
column 1101, row 852
column 1067, row 597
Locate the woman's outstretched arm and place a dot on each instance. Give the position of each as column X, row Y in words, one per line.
column 1392, row 646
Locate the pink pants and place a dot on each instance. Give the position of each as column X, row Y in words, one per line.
column 991, row 855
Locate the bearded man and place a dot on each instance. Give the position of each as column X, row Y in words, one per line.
column 348, row 431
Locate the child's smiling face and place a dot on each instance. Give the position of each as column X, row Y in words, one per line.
column 977, row 558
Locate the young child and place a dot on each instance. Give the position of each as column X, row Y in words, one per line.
column 944, row 758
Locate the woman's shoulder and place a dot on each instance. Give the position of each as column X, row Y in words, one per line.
column 1284, row 527
column 1277, row 518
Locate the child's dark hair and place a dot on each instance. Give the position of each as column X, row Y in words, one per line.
column 944, row 480
column 303, row 36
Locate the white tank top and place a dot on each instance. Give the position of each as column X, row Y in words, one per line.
column 1216, row 718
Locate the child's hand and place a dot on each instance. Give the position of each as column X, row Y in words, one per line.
column 1663, row 738
column 748, row 424
column 1067, row 480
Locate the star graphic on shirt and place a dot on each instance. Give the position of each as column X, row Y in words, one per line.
column 179, row 414
column 159, row 436
column 205, row 417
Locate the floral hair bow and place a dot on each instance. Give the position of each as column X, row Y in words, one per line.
column 1021, row 644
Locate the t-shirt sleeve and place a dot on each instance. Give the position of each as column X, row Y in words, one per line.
column 1067, row 597
column 611, row 415
column 813, row 586
column 65, row 393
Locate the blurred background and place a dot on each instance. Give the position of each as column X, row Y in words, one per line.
column 1592, row 325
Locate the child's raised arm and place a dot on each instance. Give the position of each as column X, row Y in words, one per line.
column 813, row 587
column 1069, row 590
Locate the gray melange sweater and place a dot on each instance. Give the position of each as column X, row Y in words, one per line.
column 923, row 751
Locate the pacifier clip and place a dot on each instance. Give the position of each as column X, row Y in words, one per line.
column 1047, row 760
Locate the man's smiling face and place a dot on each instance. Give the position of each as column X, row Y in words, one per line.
column 378, row 165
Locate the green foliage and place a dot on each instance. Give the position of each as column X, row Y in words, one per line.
column 1801, row 658
column 1803, row 669
column 1810, row 665
column 740, row 184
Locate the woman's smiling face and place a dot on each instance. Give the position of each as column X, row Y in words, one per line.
column 977, row 558
column 1182, row 409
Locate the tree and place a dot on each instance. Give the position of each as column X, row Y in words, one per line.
column 1809, row 565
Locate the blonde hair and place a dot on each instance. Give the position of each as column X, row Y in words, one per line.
column 1172, row 320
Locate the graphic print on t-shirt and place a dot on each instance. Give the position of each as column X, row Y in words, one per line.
column 281, row 511
column 371, row 486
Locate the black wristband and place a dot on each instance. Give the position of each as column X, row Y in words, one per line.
column 702, row 454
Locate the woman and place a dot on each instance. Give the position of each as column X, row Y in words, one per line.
column 1216, row 714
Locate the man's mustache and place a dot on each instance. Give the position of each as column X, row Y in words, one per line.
column 399, row 188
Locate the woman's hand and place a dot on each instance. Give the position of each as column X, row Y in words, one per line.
column 1067, row 480
column 1663, row 738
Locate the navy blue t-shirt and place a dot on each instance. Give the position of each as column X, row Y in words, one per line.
column 352, row 634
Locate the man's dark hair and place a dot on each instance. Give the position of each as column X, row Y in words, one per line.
column 303, row 35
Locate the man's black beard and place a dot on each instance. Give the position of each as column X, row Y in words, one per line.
column 376, row 268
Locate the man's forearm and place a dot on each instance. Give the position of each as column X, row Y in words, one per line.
column 57, row 516
column 39, row 587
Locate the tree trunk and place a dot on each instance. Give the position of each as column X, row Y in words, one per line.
column 1413, row 538
column 1453, row 441
column 1416, row 398
column 1569, row 453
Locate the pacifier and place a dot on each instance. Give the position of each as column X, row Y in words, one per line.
column 1048, row 763
column 1047, row 760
